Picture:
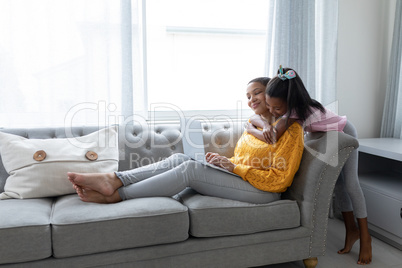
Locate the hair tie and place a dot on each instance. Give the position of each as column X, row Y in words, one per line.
column 289, row 74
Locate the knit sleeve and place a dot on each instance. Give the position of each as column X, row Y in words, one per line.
column 280, row 166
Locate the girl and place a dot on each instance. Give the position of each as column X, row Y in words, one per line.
column 288, row 99
column 257, row 180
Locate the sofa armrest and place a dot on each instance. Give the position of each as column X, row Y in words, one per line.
column 323, row 159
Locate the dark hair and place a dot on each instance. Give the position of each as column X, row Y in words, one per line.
column 295, row 94
column 262, row 80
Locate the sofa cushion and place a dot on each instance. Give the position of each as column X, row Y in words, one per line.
column 212, row 216
column 80, row 228
column 25, row 233
column 38, row 167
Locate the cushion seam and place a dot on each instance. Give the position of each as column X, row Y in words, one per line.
column 122, row 218
column 251, row 207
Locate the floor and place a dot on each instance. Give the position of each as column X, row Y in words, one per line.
column 384, row 255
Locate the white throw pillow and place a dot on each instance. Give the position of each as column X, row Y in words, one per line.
column 38, row 167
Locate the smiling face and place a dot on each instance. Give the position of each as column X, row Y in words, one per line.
column 256, row 98
column 276, row 106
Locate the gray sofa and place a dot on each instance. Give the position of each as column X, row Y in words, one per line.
column 187, row 230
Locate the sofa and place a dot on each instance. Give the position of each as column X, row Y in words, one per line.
column 186, row 230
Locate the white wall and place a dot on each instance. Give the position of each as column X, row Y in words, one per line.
column 364, row 43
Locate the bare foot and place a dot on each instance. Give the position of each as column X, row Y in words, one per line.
column 103, row 183
column 88, row 195
column 365, row 254
column 351, row 238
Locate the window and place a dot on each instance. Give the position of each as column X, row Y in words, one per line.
column 65, row 62
column 200, row 55
column 59, row 62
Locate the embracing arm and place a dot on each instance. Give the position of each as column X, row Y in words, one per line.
column 253, row 130
column 258, row 122
column 281, row 126
column 261, row 129
column 269, row 134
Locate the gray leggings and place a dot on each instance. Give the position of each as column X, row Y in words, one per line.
column 348, row 192
column 172, row 175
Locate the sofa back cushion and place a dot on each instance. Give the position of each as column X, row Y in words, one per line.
column 142, row 144
column 145, row 143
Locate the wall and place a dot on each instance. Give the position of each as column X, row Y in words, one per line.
column 364, row 43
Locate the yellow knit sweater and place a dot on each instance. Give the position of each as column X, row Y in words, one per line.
column 269, row 167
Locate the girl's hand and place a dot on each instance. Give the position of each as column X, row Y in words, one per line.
column 269, row 134
column 254, row 131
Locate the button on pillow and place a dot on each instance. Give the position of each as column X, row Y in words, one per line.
column 39, row 155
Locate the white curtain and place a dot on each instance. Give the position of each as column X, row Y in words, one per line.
column 392, row 115
column 302, row 35
column 67, row 62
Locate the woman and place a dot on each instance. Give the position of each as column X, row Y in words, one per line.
column 264, row 170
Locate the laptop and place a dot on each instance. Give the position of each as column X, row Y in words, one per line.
column 193, row 143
